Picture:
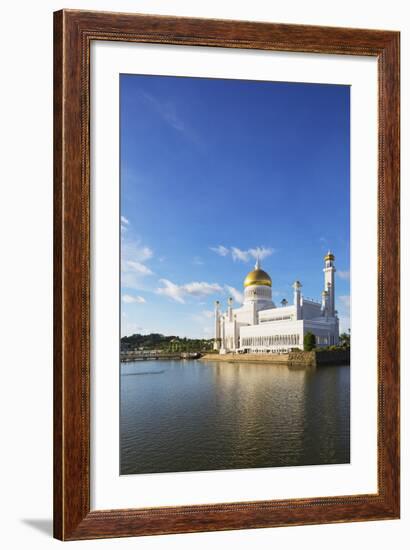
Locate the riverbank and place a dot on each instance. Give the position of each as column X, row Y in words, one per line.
column 294, row 358
column 247, row 358
column 132, row 356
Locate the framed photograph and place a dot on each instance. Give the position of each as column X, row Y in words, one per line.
column 226, row 275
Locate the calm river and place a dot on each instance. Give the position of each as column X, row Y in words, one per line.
column 194, row 415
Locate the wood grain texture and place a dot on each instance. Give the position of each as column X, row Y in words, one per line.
column 73, row 33
column 58, row 280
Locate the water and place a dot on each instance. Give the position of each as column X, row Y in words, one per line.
column 179, row 416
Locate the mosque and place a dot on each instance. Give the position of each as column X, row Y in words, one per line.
column 259, row 326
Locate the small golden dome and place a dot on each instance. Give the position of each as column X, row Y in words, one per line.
column 257, row 277
column 329, row 257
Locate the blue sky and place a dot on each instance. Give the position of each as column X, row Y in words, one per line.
column 213, row 171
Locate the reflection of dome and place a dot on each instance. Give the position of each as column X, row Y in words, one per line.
column 257, row 277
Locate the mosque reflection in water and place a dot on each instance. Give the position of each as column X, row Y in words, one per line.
column 179, row 416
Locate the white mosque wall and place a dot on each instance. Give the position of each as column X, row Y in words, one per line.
column 278, row 313
column 276, row 335
column 326, row 331
column 310, row 309
column 243, row 314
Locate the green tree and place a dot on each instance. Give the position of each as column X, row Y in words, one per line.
column 344, row 340
column 165, row 343
column 309, row 341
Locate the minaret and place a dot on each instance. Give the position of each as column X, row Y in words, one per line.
column 329, row 271
column 254, row 312
column 222, row 349
column 217, row 339
column 230, row 301
column 296, row 298
column 325, row 304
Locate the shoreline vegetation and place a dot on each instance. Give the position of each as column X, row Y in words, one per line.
column 139, row 347
column 170, row 344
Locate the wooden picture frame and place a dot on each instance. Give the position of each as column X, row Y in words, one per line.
column 74, row 32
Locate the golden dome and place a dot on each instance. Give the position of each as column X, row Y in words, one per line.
column 257, row 277
column 329, row 256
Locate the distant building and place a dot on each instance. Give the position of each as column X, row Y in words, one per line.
column 259, row 326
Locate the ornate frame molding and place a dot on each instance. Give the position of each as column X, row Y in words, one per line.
column 73, row 33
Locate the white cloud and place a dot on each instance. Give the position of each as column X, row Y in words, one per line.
column 343, row 274
column 134, row 256
column 134, row 250
column 202, row 289
column 197, row 261
column 138, row 267
column 124, row 224
column 180, row 292
column 171, row 290
column 238, row 254
column 236, row 295
column 128, row 299
column 221, row 250
column 260, row 252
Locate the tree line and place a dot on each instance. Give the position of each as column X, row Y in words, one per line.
column 156, row 341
